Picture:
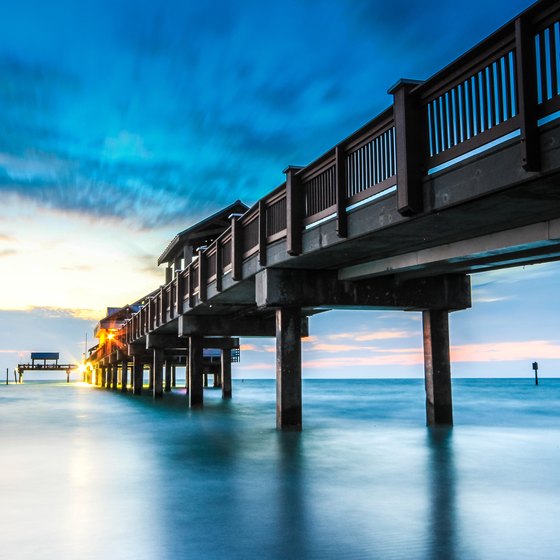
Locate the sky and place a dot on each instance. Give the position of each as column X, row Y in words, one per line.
column 122, row 123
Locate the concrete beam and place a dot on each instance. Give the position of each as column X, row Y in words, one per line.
column 531, row 244
column 224, row 325
column 164, row 341
column 275, row 287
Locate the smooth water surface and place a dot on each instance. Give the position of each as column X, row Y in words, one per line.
column 91, row 474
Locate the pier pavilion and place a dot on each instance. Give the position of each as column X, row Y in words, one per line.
column 460, row 174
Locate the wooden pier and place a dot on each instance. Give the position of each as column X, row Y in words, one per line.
column 460, row 174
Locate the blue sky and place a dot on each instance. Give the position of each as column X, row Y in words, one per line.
column 122, row 123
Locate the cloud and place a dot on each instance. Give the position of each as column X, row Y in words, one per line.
column 506, row 351
column 363, row 336
column 64, row 313
column 7, row 253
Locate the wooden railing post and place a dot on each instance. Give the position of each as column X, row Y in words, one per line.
column 294, row 211
column 191, row 286
column 340, row 185
column 179, row 294
column 202, row 276
column 236, row 248
column 262, row 233
column 219, row 267
column 526, row 70
column 163, row 305
column 410, row 143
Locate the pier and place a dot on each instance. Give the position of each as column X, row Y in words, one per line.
column 45, row 361
column 461, row 174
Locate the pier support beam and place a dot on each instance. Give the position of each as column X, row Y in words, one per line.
column 138, row 374
column 437, row 368
column 168, row 376
column 226, row 373
column 124, row 376
column 173, row 376
column 102, row 377
column 288, row 368
column 195, row 392
column 157, row 373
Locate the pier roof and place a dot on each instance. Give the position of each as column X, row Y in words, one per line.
column 203, row 232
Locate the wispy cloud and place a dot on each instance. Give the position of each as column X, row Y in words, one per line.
column 506, row 351
column 64, row 313
column 364, row 336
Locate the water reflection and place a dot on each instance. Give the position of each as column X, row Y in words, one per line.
column 442, row 526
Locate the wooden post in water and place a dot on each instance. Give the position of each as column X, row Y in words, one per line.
column 536, row 369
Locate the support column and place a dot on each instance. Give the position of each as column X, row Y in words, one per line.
column 138, row 374
column 101, row 376
column 226, row 373
column 151, row 376
column 195, row 391
column 115, row 375
column 217, row 378
column 439, row 408
column 168, row 370
column 205, row 378
column 157, row 373
column 288, row 368
column 124, row 376
column 173, row 376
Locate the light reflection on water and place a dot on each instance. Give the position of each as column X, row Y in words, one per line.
column 86, row 473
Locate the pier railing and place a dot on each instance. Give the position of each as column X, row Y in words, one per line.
column 500, row 91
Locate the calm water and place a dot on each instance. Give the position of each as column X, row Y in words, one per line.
column 90, row 474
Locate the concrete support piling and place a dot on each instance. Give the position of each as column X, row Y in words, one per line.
column 138, row 374
column 288, row 368
column 157, row 373
column 226, row 373
column 114, row 376
column 168, row 376
column 195, row 392
column 437, row 368
column 124, row 376
column 173, row 376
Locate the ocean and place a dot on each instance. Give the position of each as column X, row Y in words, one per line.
column 86, row 473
